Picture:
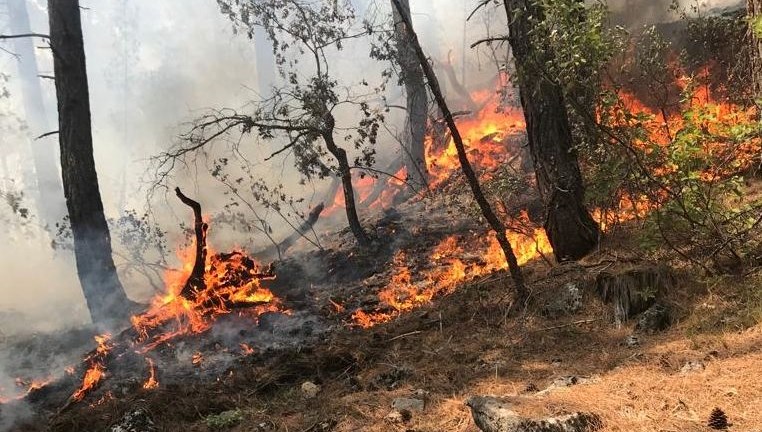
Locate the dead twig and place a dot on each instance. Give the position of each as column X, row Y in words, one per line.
column 405, row 335
column 571, row 324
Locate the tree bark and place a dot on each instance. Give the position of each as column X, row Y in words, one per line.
column 417, row 101
column 50, row 196
column 571, row 230
column 754, row 12
column 106, row 299
column 465, row 165
column 346, row 181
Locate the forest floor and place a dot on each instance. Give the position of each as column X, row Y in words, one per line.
column 466, row 343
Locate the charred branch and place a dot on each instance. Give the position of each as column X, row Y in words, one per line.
column 195, row 282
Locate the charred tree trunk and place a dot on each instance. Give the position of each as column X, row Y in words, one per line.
column 754, row 10
column 465, row 165
column 571, row 230
column 346, row 181
column 195, row 282
column 50, row 196
column 414, row 156
column 106, row 299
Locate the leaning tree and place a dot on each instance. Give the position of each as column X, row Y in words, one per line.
column 571, row 230
column 411, row 75
column 106, row 299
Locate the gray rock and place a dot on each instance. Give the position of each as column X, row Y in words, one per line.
column 409, row 404
column 654, row 319
column 692, row 366
column 632, row 341
column 492, row 414
column 399, row 416
column 568, row 301
column 310, row 390
column 137, row 420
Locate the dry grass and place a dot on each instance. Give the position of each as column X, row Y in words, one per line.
column 465, row 344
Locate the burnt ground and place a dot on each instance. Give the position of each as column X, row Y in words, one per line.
column 460, row 345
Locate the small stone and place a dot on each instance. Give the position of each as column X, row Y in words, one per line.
column 136, row 420
column 632, row 341
column 421, row 394
column 567, row 302
column 399, row 416
column 410, row 404
column 565, row 381
column 655, row 319
column 692, row 366
column 310, row 390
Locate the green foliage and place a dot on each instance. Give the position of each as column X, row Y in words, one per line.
column 756, row 26
column 582, row 44
column 224, row 420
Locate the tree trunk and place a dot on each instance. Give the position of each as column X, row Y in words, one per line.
column 571, row 230
column 346, row 181
column 754, row 10
column 417, row 104
column 465, row 165
column 50, row 196
column 106, row 299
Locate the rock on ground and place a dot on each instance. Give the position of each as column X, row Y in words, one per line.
column 654, row 319
column 568, row 301
column 137, row 420
column 492, row 414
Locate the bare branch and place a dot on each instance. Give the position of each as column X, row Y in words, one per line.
column 23, row 35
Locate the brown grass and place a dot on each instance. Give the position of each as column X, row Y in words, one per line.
column 465, row 344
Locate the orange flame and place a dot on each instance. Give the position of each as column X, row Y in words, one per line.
column 96, row 369
column 151, row 383
column 230, row 279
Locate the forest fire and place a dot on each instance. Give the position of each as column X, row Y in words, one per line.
column 485, row 136
column 151, row 383
column 449, row 267
column 22, row 389
column 96, row 368
column 231, row 282
column 484, row 133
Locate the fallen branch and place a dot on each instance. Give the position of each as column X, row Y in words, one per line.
column 571, row 324
column 405, row 335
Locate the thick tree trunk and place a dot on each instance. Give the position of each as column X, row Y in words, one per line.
column 417, row 102
column 346, row 181
column 571, row 230
column 106, row 299
column 50, row 197
column 754, row 9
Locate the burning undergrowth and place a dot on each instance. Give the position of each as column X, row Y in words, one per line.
column 223, row 297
